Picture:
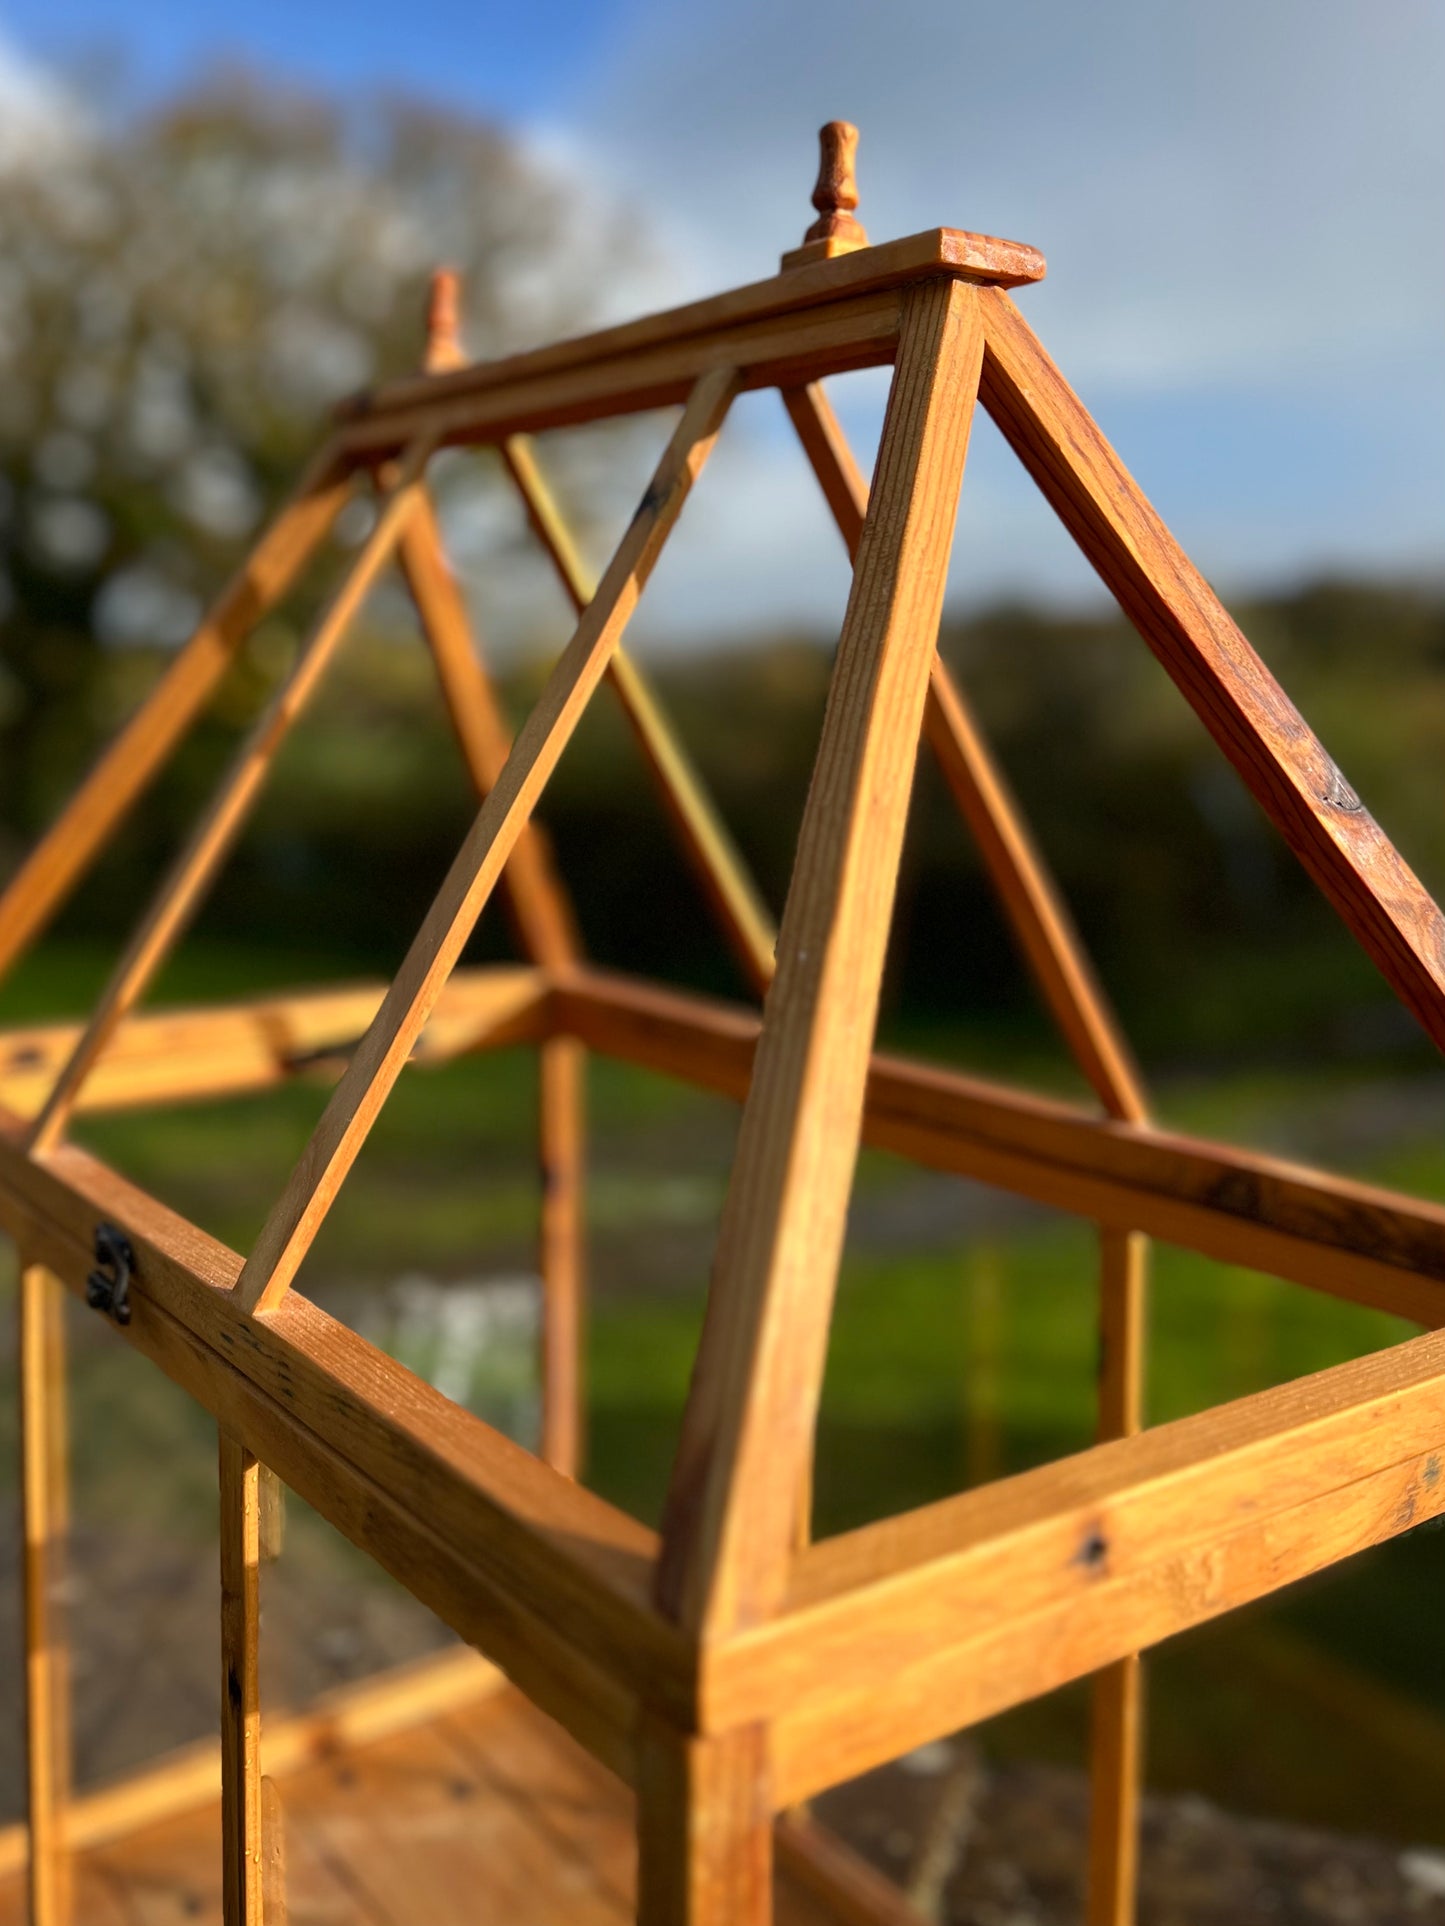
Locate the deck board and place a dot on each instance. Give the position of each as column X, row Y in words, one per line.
column 488, row 1812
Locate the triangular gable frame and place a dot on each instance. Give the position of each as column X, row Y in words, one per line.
column 728, row 1576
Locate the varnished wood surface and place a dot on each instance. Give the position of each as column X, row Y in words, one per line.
column 1330, row 1233
column 1026, row 892
column 540, row 909
column 892, row 264
column 783, row 349
column 423, row 1454
column 562, row 1250
column 1049, row 944
column 486, row 1814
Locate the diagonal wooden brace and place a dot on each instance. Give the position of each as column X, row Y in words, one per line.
column 379, row 1058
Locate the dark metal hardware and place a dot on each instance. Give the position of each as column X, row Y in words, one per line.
column 108, row 1288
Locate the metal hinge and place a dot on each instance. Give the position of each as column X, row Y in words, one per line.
column 108, row 1288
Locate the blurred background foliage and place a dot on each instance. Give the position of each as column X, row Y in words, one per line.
column 184, row 293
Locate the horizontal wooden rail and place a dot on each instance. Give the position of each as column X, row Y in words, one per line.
column 184, row 1055
column 982, row 1601
column 1356, row 1241
column 975, row 257
column 785, row 351
column 505, row 1550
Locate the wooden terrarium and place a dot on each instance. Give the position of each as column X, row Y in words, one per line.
column 668, row 1702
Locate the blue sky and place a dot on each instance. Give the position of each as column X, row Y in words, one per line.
column 516, row 61
column 1240, row 201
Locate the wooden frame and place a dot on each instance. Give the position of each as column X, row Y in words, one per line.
column 725, row 1669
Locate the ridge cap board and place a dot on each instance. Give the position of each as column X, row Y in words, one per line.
column 940, row 250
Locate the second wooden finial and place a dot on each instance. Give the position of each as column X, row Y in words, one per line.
column 444, row 348
column 835, row 196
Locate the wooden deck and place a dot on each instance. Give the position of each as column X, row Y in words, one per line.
column 490, row 1813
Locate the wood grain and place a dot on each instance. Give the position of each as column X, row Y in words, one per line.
column 505, row 1550
column 1116, row 1745
column 1116, row 1770
column 340, row 1720
column 1030, row 900
column 704, row 1829
column 894, row 264
column 724, row 1670
column 789, row 348
column 729, row 1520
column 985, row 1599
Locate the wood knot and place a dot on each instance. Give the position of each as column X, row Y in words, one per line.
column 835, row 196
column 443, row 322
column 1094, row 1551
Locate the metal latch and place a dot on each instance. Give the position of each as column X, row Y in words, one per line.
column 108, row 1288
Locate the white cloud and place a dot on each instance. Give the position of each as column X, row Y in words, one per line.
column 1220, row 186
column 39, row 118
column 1240, row 208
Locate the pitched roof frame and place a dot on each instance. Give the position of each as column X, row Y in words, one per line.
column 728, row 1667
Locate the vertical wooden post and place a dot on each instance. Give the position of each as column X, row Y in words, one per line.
column 704, row 1829
column 45, row 1509
column 1116, row 1761
column 562, row 1065
column 241, row 1852
column 275, row 1901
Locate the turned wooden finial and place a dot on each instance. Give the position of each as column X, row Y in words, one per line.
column 443, row 322
column 836, row 195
